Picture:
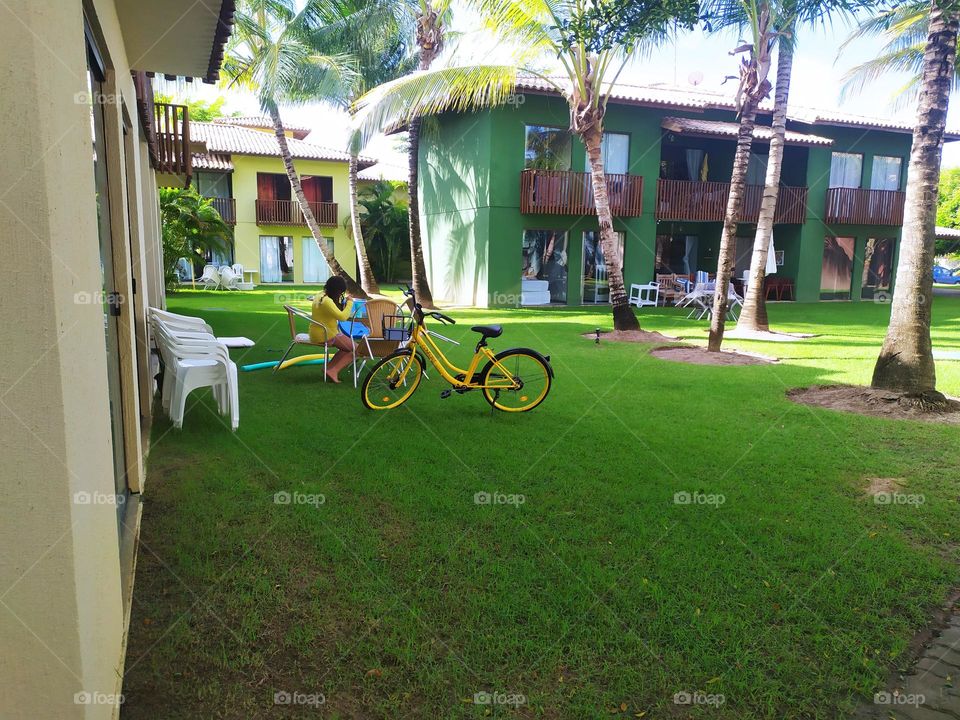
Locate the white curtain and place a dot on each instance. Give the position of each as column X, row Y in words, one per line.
column 690, row 254
column 694, row 163
column 269, row 259
column 886, row 173
column 845, row 170
column 315, row 268
column 615, row 152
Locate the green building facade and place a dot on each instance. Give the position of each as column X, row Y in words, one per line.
column 669, row 155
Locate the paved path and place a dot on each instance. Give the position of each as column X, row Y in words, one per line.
column 931, row 691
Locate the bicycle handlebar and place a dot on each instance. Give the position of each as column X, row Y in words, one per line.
column 442, row 318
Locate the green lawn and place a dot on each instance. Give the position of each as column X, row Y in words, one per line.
column 598, row 596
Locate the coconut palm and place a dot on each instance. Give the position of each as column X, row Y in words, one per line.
column 905, row 364
column 273, row 54
column 904, row 28
column 591, row 43
column 378, row 35
column 789, row 14
column 754, row 87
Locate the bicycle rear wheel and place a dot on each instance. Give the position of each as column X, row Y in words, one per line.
column 518, row 382
column 392, row 381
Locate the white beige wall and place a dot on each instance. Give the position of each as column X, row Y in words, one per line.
column 61, row 612
column 247, row 233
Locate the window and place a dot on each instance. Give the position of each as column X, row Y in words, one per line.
column 757, row 170
column 276, row 259
column 846, row 170
column 615, row 152
column 315, row 268
column 886, row 173
column 877, row 267
column 547, row 148
column 836, row 273
column 595, row 287
column 212, row 185
column 676, row 254
column 544, row 268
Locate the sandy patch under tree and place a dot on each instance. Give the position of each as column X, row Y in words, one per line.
column 876, row 403
column 701, row 356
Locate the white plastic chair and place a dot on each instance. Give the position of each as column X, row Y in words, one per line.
column 180, row 322
column 644, row 295
column 210, row 278
column 192, row 360
column 229, row 279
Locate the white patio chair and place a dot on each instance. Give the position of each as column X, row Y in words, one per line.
column 210, row 280
column 229, row 280
column 180, row 322
column 644, row 295
column 194, row 360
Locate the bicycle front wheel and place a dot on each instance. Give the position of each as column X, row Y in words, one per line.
column 517, row 381
column 392, row 381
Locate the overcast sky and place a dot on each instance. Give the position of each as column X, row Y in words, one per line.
column 694, row 57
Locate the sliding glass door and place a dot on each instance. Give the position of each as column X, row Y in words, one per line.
column 594, row 285
column 836, row 273
column 877, row 267
column 276, row 258
column 544, row 267
column 315, row 268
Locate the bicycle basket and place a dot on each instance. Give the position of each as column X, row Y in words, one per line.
column 397, row 327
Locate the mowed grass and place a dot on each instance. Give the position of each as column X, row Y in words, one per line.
column 598, row 596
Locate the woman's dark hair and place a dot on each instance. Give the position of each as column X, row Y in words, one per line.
column 334, row 289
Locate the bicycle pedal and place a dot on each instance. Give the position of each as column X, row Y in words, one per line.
column 444, row 394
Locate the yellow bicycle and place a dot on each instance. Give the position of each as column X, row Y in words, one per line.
column 515, row 380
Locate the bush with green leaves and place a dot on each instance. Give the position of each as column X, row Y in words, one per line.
column 190, row 228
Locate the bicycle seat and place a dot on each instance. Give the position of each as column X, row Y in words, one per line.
column 488, row 331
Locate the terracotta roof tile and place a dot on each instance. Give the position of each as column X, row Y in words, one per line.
column 224, row 139
column 709, row 128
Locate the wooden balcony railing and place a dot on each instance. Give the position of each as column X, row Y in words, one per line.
column 172, row 123
column 707, row 202
column 864, row 207
column 287, row 212
column 561, row 192
column 227, row 207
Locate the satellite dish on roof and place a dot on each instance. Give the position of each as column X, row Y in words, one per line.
column 695, row 78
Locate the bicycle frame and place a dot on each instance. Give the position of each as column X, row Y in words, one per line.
column 420, row 339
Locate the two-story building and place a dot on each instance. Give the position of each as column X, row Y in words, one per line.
column 243, row 171
column 84, row 149
column 508, row 214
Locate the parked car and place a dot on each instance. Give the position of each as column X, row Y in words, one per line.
column 945, row 275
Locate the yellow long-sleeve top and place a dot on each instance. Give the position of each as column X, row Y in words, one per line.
column 326, row 312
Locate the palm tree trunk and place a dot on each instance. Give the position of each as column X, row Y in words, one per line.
column 623, row 317
column 367, row 279
column 905, row 363
column 728, row 239
column 417, row 265
column 305, row 209
column 754, row 314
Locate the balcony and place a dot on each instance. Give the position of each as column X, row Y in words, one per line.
column 707, row 202
column 287, row 212
column 561, row 192
column 167, row 129
column 857, row 206
column 227, row 207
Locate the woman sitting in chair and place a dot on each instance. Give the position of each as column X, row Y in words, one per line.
column 328, row 309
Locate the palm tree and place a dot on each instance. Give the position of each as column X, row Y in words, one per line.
column 905, row 28
column 375, row 33
column 789, row 14
column 190, row 228
column 754, row 87
column 592, row 43
column 905, row 364
column 430, row 24
column 272, row 53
